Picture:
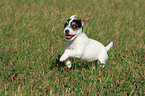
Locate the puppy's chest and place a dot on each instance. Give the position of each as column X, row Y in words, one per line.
column 73, row 46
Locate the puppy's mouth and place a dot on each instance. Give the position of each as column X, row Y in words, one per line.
column 68, row 36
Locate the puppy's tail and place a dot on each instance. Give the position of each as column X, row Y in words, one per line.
column 109, row 46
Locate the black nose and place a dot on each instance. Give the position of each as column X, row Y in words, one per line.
column 66, row 31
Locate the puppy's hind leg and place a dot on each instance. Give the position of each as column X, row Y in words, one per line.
column 68, row 63
column 102, row 61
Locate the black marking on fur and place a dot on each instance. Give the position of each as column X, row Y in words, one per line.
column 66, row 23
column 78, row 22
column 82, row 29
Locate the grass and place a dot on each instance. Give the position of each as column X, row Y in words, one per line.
column 32, row 40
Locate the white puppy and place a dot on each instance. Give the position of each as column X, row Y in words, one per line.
column 80, row 46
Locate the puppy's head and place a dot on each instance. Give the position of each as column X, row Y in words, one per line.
column 73, row 27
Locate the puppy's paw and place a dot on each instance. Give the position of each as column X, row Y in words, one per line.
column 69, row 66
column 63, row 58
column 68, row 63
column 102, row 66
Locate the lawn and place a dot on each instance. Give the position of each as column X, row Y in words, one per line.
column 32, row 42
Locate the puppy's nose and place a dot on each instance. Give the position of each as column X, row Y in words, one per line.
column 66, row 31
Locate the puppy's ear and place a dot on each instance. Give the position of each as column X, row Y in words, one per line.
column 73, row 16
column 83, row 20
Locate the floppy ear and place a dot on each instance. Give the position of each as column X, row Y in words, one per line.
column 83, row 20
column 73, row 16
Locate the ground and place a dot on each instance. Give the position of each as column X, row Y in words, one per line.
column 32, row 42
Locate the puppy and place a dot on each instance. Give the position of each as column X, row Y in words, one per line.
column 79, row 45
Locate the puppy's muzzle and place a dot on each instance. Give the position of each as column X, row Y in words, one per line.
column 67, row 35
column 66, row 32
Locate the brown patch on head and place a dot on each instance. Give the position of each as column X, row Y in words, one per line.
column 73, row 23
column 67, row 22
column 84, row 19
column 76, row 29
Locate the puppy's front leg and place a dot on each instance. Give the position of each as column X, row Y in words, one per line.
column 70, row 53
column 64, row 57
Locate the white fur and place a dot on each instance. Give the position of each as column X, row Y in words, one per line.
column 82, row 47
column 73, row 16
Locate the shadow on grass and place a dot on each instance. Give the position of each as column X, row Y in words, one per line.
column 57, row 64
column 76, row 64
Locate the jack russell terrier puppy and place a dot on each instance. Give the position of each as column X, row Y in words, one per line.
column 80, row 46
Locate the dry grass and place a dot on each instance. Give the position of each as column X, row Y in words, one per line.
column 32, row 40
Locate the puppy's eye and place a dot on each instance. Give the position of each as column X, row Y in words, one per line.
column 74, row 26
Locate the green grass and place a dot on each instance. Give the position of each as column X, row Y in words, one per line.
column 32, row 40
